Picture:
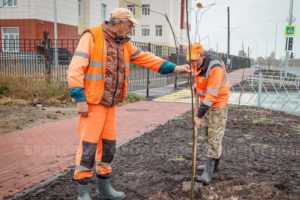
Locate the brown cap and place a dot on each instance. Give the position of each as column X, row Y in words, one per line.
column 196, row 50
column 123, row 13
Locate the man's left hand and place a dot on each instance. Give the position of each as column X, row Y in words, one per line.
column 197, row 121
column 182, row 69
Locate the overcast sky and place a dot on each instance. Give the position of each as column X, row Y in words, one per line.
column 253, row 16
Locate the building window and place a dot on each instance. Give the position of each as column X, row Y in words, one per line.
column 80, row 8
column 131, row 8
column 158, row 30
column 103, row 12
column 8, row 3
column 145, row 9
column 10, row 38
column 145, row 30
column 132, row 31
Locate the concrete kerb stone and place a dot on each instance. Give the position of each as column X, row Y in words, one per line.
column 40, row 185
column 49, row 181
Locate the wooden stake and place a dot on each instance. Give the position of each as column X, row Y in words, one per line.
column 195, row 140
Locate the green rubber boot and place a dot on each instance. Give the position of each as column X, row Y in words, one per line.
column 83, row 192
column 105, row 190
column 208, row 171
column 216, row 168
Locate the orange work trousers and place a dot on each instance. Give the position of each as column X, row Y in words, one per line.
column 97, row 141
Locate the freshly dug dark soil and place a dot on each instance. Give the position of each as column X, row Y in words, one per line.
column 260, row 160
column 18, row 117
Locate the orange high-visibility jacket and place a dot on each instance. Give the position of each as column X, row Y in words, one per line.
column 86, row 73
column 212, row 85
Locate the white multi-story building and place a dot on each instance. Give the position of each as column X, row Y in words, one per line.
column 28, row 19
column 154, row 27
column 94, row 12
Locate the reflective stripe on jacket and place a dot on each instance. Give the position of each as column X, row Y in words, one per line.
column 86, row 73
column 213, row 86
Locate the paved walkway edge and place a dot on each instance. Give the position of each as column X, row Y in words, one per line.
column 48, row 181
column 40, row 185
column 45, row 151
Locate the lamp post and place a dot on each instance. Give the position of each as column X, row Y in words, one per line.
column 194, row 149
column 243, row 39
column 229, row 30
column 228, row 37
column 290, row 20
column 199, row 7
column 256, row 48
column 275, row 45
column 206, row 37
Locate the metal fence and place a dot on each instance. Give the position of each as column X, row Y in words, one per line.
column 27, row 58
column 141, row 78
column 274, row 89
column 235, row 62
column 35, row 59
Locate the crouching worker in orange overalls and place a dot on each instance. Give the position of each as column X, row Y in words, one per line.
column 98, row 79
column 212, row 87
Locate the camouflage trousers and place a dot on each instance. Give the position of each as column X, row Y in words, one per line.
column 212, row 129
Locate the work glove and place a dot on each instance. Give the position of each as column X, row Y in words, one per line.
column 83, row 108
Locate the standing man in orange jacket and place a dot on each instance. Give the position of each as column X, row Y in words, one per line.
column 98, row 79
column 213, row 88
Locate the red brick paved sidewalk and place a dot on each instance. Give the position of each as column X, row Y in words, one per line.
column 32, row 155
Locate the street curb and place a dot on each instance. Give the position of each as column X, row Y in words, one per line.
column 48, row 181
column 40, row 185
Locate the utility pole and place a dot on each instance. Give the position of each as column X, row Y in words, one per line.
column 243, row 48
column 228, row 37
column 275, row 44
column 248, row 51
column 266, row 51
column 290, row 21
column 55, row 34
